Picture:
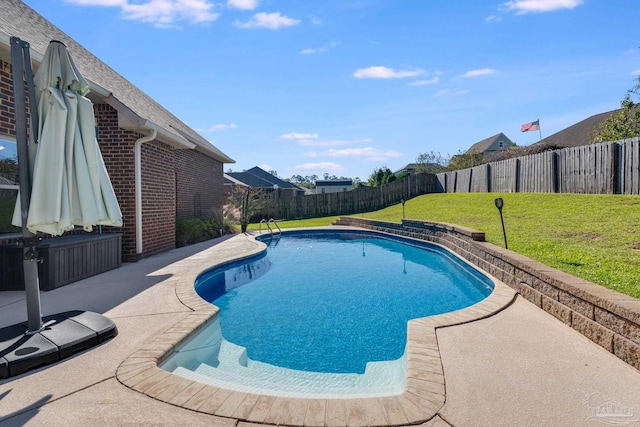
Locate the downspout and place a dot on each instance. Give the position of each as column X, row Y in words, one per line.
column 137, row 149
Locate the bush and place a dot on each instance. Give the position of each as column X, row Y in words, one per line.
column 6, row 213
column 189, row 231
column 195, row 230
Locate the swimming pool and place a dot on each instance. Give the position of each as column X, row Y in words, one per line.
column 323, row 313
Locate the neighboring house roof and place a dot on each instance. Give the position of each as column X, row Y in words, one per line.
column 424, row 167
column 137, row 111
column 577, row 134
column 411, row 167
column 259, row 178
column 491, row 144
column 6, row 181
column 334, row 182
column 229, row 180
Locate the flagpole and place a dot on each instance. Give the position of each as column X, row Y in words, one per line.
column 539, row 131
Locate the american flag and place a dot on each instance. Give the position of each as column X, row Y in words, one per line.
column 530, row 126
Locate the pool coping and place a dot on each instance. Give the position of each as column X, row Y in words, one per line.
column 424, row 394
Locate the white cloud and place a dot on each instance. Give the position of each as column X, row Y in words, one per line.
column 538, row 6
column 379, row 72
column 272, row 21
column 480, row 72
column 326, row 48
column 161, row 13
column 635, row 73
column 313, row 140
column 311, row 50
column 218, row 128
column 368, row 153
column 434, row 80
column 296, row 135
column 323, row 143
column 493, row 18
column 243, row 4
column 266, row 167
column 311, row 154
column 451, row 92
column 321, row 167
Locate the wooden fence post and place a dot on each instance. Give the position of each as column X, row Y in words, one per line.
column 517, row 177
column 556, row 172
column 616, row 170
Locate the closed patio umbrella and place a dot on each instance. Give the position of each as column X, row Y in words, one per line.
column 63, row 179
column 69, row 182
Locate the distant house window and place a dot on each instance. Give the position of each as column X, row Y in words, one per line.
column 501, row 144
column 323, row 191
column 344, row 189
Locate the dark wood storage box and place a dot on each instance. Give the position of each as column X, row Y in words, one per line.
column 65, row 260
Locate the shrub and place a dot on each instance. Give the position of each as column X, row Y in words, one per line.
column 195, row 230
column 189, row 231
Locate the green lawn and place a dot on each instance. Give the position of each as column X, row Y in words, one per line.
column 6, row 213
column 595, row 237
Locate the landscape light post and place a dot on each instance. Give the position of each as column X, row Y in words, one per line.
column 499, row 204
column 402, row 201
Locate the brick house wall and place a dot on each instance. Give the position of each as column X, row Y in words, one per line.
column 7, row 110
column 158, row 198
column 158, row 185
column 7, row 123
column 116, row 146
column 199, row 185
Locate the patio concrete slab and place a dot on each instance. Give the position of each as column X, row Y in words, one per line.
column 84, row 369
column 108, row 403
column 523, row 367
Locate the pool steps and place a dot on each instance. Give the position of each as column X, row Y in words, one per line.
column 223, row 364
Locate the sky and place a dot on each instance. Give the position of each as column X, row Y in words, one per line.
column 343, row 87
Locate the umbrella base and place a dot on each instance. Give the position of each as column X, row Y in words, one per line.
column 69, row 333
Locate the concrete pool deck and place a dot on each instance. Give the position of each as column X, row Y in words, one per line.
column 520, row 366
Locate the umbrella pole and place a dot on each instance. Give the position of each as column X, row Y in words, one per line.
column 21, row 62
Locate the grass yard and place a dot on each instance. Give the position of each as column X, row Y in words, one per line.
column 595, row 237
column 6, row 213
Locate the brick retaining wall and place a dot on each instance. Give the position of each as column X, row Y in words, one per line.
column 606, row 317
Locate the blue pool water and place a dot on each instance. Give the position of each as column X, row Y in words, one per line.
column 333, row 301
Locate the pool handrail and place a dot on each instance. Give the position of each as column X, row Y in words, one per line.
column 263, row 220
column 275, row 222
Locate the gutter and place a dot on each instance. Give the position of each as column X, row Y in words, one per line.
column 137, row 149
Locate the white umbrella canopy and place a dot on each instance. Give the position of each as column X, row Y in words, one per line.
column 70, row 183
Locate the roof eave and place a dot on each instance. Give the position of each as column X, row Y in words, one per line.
column 129, row 120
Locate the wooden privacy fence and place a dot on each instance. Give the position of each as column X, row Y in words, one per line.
column 605, row 168
column 361, row 199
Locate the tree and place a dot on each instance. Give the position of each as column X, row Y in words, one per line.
column 624, row 123
column 243, row 203
column 382, row 175
column 431, row 162
column 303, row 181
column 465, row 160
column 9, row 168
